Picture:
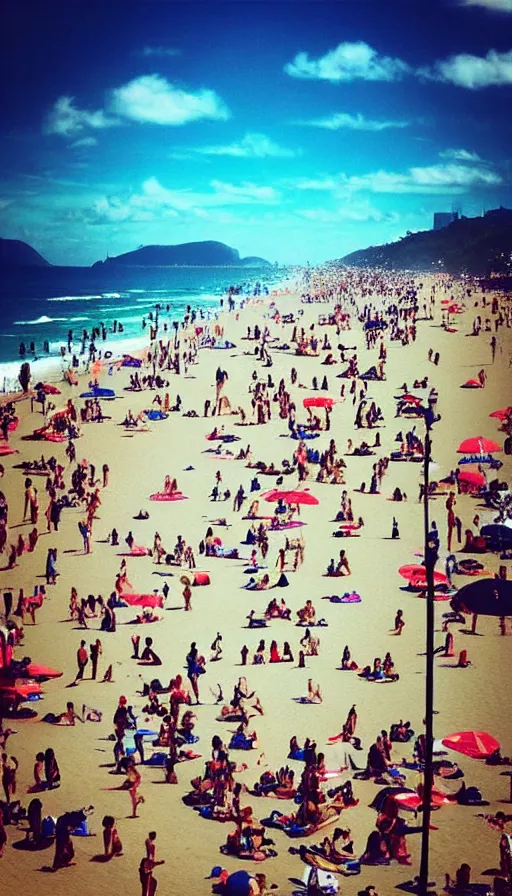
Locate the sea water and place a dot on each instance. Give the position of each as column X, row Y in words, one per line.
column 41, row 305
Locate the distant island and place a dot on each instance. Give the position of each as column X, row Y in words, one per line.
column 477, row 246
column 203, row 254
column 15, row 253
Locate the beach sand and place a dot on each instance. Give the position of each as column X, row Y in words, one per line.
column 474, row 698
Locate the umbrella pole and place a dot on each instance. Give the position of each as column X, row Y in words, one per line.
column 430, row 560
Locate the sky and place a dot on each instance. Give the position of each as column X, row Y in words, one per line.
column 293, row 131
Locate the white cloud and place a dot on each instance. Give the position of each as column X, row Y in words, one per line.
column 84, row 142
column 460, row 155
column 155, row 202
column 344, row 120
column 434, row 179
column 472, row 72
column 66, row 119
column 252, row 146
column 158, row 51
column 247, row 192
column 152, row 98
column 497, row 5
column 356, row 212
column 347, row 62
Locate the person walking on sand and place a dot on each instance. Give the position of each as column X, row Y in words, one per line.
column 187, row 594
column 148, row 882
column 194, row 669
column 133, row 781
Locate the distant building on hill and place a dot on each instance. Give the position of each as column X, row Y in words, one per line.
column 444, row 219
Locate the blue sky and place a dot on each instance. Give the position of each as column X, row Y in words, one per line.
column 295, row 131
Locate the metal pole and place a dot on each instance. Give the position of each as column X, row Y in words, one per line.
column 429, row 679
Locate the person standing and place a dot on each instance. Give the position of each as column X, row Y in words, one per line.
column 82, row 658
column 95, row 651
column 10, row 766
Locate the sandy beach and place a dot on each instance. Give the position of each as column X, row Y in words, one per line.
column 139, row 460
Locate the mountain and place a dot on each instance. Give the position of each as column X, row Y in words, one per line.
column 208, row 254
column 477, row 246
column 14, row 253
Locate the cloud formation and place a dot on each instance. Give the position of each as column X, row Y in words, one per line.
column 451, row 179
column 496, row 5
column 460, row 155
column 67, row 120
column 84, row 142
column 152, row 98
column 344, row 120
column 348, row 62
column 252, row 146
column 158, row 51
column 472, row 72
column 155, row 202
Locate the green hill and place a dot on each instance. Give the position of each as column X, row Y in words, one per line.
column 15, row 253
column 208, row 254
column 477, row 246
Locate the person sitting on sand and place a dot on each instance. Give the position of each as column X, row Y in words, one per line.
column 347, row 663
column 148, row 656
column 307, row 615
column 314, row 694
column 461, row 882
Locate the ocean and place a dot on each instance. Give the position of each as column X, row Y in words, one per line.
column 41, row 305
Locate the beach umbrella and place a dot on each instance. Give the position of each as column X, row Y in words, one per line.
column 475, row 744
column 485, row 597
column 472, row 477
column 290, row 497
column 502, row 413
column 478, row 445
column 413, row 571
column 318, row 401
column 410, row 399
column 498, row 535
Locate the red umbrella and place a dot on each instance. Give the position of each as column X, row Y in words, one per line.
column 478, row 445
column 414, row 572
column 318, row 401
column 476, row 744
column 6, row 449
column 502, row 414
column 290, row 497
column 472, row 477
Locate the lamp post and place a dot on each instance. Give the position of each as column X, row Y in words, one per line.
column 430, row 556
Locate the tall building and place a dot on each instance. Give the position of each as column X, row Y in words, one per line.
column 443, row 219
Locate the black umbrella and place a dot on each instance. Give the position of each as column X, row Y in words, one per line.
column 486, row 597
column 498, row 538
